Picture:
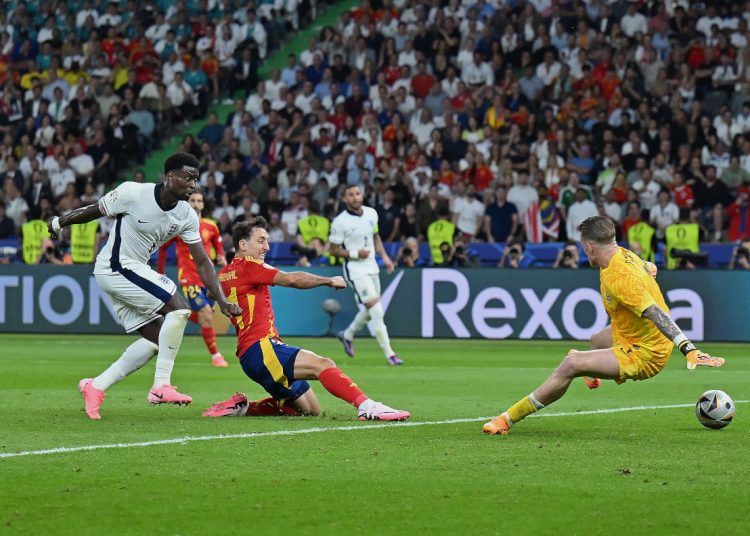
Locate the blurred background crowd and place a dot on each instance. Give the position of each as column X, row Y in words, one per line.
column 481, row 132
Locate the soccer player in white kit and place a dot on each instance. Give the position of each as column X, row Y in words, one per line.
column 354, row 236
column 147, row 216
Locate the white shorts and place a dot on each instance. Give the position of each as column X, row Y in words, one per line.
column 366, row 287
column 136, row 294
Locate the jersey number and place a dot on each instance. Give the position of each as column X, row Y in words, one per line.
column 250, row 307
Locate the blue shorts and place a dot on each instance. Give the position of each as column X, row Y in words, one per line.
column 197, row 297
column 270, row 363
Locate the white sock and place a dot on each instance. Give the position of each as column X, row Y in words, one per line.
column 360, row 320
column 134, row 357
column 170, row 338
column 381, row 332
column 533, row 400
column 508, row 419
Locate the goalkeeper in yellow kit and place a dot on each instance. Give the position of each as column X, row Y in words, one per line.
column 635, row 346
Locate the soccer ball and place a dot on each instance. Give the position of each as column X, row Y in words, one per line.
column 715, row 409
column 331, row 306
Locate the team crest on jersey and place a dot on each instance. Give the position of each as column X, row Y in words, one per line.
column 164, row 279
column 172, row 229
column 112, row 196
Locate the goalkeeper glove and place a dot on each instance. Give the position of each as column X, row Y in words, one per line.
column 697, row 358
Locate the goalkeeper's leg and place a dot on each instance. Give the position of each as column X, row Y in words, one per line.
column 599, row 340
column 599, row 363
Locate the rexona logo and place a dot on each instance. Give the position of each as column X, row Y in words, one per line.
column 547, row 311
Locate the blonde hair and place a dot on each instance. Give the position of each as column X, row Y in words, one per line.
column 597, row 229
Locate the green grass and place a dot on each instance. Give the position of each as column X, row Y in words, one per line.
column 655, row 471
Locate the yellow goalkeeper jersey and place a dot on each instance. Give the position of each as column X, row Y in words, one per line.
column 628, row 289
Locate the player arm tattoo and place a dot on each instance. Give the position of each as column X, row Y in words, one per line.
column 662, row 321
column 206, row 271
column 81, row 215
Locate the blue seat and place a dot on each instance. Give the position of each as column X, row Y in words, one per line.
column 543, row 255
column 14, row 243
column 281, row 254
column 719, row 255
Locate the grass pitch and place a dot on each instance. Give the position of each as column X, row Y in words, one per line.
column 627, row 472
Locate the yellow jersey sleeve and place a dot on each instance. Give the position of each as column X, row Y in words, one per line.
column 630, row 291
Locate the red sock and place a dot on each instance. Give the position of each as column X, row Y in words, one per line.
column 209, row 336
column 193, row 317
column 342, row 386
column 269, row 407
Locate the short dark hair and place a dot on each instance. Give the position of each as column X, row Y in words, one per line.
column 349, row 187
column 180, row 159
column 597, row 229
column 244, row 229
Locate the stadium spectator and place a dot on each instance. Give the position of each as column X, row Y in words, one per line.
column 404, row 98
column 408, row 254
column 740, row 256
column 581, row 209
column 568, row 257
column 7, row 225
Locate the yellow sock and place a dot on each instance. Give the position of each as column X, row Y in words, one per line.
column 523, row 408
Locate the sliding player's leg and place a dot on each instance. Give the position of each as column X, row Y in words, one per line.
column 308, row 366
column 598, row 363
column 599, row 340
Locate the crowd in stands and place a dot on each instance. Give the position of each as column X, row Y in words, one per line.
column 510, row 120
column 88, row 88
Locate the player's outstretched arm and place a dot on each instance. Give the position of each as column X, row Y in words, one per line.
column 208, row 275
column 305, row 280
column 673, row 332
column 79, row 215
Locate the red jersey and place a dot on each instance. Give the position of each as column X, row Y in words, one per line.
column 187, row 273
column 683, row 195
column 245, row 282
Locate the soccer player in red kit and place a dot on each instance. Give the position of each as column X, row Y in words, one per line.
column 192, row 286
column 282, row 370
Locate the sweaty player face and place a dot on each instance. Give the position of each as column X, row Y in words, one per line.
column 182, row 181
column 256, row 246
column 353, row 198
column 196, row 201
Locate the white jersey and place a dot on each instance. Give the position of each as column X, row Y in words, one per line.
column 142, row 225
column 356, row 232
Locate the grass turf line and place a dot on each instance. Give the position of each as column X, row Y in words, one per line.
column 188, row 439
column 626, row 473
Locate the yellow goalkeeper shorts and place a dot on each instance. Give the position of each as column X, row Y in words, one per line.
column 638, row 363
